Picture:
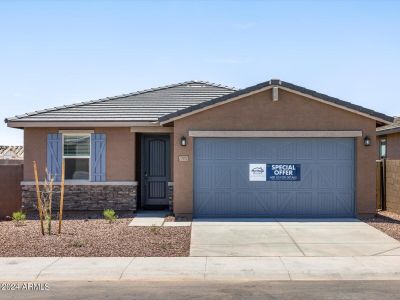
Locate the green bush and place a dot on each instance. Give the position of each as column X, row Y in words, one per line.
column 77, row 244
column 154, row 229
column 109, row 215
column 18, row 217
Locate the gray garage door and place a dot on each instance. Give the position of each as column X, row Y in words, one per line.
column 324, row 170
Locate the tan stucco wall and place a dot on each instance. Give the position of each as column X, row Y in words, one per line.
column 291, row 112
column 120, row 152
column 393, row 146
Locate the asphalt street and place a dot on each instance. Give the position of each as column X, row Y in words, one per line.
column 212, row 290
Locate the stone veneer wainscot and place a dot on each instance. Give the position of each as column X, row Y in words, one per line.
column 83, row 196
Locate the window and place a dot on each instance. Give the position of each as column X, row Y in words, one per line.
column 76, row 154
column 383, row 148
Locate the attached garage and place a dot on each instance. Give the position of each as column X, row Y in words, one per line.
column 323, row 186
column 274, row 149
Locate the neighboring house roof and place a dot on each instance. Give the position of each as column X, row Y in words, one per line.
column 147, row 105
column 282, row 84
column 11, row 152
column 167, row 103
column 391, row 128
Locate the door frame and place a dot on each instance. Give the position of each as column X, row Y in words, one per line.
column 142, row 168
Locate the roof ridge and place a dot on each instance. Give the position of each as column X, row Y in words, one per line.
column 139, row 92
column 212, row 84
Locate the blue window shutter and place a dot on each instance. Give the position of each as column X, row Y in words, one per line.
column 98, row 157
column 54, row 155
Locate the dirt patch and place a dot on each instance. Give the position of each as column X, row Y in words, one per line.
column 93, row 238
column 387, row 222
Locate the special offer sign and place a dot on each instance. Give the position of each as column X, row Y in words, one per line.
column 283, row 172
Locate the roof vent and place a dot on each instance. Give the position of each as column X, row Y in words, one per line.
column 275, row 94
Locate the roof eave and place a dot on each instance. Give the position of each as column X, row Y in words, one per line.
column 388, row 131
column 74, row 124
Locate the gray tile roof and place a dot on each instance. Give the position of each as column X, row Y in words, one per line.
column 277, row 82
column 391, row 128
column 146, row 105
column 165, row 103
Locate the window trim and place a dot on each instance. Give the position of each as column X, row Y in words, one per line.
column 81, row 133
column 383, row 141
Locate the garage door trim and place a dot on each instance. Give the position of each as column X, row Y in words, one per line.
column 276, row 133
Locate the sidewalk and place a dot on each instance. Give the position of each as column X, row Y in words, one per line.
column 199, row 268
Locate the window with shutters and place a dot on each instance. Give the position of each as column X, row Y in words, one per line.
column 76, row 155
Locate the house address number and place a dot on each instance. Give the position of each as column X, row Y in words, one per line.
column 183, row 158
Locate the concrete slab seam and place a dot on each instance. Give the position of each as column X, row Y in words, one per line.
column 294, row 242
column 127, row 266
column 205, row 268
column 286, row 268
column 46, row 267
column 379, row 253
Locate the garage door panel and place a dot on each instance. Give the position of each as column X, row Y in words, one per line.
column 345, row 176
column 304, row 201
column 222, row 176
column 204, row 176
column 304, row 150
column 221, row 150
column 344, row 203
column 326, row 175
column 326, row 150
column 222, row 186
column 345, row 151
column 241, row 176
column 287, row 150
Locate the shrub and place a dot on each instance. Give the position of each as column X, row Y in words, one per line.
column 77, row 244
column 109, row 215
column 154, row 229
column 18, row 217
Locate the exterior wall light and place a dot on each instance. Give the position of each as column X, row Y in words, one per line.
column 183, row 141
column 367, row 141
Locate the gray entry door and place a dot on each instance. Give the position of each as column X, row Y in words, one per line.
column 155, row 169
column 222, row 187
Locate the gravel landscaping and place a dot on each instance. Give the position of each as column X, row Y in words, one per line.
column 93, row 237
column 387, row 222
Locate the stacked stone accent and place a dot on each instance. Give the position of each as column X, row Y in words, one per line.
column 393, row 186
column 171, row 196
column 86, row 197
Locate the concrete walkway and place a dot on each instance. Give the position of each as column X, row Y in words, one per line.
column 200, row 268
column 283, row 237
column 150, row 218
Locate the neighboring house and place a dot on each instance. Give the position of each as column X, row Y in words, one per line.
column 11, row 152
column 388, row 138
column 189, row 146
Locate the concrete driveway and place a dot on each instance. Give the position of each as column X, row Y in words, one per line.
column 280, row 237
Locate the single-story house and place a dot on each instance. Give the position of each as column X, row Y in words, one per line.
column 388, row 138
column 274, row 149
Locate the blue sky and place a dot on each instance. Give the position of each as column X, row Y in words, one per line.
column 61, row 52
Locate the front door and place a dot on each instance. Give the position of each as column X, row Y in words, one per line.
column 155, row 170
